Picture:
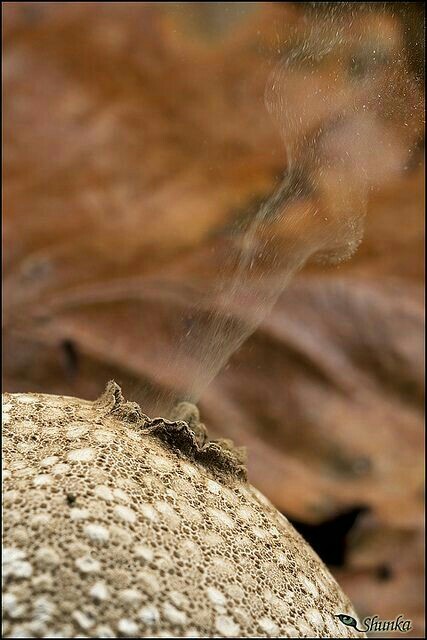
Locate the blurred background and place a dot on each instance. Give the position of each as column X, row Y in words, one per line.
column 140, row 142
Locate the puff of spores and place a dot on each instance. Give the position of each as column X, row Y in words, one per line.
column 116, row 525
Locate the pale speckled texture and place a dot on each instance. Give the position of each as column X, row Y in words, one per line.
column 118, row 526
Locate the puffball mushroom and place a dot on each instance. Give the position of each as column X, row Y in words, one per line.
column 117, row 525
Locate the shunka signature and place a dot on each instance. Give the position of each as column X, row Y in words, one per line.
column 376, row 624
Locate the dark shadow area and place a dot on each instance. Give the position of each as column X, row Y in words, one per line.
column 70, row 358
column 329, row 538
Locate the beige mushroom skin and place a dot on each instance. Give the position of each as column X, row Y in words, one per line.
column 116, row 525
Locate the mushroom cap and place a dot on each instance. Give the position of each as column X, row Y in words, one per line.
column 116, row 525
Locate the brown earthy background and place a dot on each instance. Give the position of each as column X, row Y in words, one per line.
column 135, row 134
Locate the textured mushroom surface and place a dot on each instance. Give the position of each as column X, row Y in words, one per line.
column 117, row 525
